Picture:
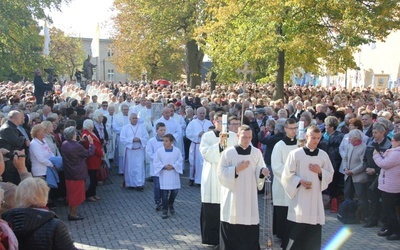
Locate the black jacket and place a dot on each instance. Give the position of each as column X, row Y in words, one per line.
column 10, row 137
column 38, row 229
column 369, row 152
column 270, row 141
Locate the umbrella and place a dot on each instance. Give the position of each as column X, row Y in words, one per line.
column 163, row 82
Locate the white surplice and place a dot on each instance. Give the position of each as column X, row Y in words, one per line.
column 169, row 179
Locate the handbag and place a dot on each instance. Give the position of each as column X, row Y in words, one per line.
column 102, row 172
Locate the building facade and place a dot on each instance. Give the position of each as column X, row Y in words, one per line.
column 105, row 70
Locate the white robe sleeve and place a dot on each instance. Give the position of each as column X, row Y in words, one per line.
column 158, row 164
column 290, row 179
column 144, row 137
column 226, row 171
column 327, row 171
column 260, row 165
column 277, row 162
column 126, row 137
column 179, row 161
column 208, row 149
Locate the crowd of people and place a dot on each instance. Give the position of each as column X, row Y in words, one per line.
column 335, row 141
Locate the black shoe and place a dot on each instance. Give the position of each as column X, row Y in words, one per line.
column 150, row 179
column 171, row 209
column 191, row 183
column 158, row 207
column 385, row 232
column 370, row 224
column 393, row 237
column 140, row 188
column 164, row 215
column 216, row 247
column 72, row 218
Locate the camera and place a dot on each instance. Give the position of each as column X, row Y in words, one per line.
column 10, row 155
column 84, row 137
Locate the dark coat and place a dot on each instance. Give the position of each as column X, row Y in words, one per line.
column 10, row 137
column 331, row 147
column 270, row 142
column 256, row 130
column 369, row 152
column 40, row 88
column 74, row 160
column 38, row 229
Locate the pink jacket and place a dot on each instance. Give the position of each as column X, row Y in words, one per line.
column 390, row 170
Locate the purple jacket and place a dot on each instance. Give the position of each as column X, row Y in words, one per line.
column 74, row 160
column 390, row 170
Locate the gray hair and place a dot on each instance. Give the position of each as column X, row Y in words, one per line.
column 88, row 124
column 356, row 133
column 12, row 114
column 69, row 132
column 379, row 127
column 279, row 127
column 97, row 114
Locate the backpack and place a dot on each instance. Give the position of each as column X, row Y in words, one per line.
column 347, row 213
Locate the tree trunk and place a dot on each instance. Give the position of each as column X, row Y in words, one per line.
column 213, row 83
column 194, row 62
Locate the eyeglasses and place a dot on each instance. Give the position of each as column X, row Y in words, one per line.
column 234, row 124
column 105, row 105
column 29, row 106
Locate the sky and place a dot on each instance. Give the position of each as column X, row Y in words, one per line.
column 80, row 17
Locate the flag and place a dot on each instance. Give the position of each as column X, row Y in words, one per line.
column 95, row 46
column 46, row 50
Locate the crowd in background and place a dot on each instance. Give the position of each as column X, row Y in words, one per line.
column 71, row 120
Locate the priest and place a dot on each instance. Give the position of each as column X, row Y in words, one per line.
column 308, row 171
column 241, row 171
column 134, row 137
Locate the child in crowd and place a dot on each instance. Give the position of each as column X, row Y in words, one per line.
column 168, row 165
column 151, row 149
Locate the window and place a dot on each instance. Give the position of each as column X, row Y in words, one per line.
column 110, row 75
column 110, row 53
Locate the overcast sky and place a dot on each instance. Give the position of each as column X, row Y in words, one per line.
column 80, row 17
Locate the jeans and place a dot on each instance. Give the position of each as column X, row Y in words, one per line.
column 168, row 201
column 156, row 190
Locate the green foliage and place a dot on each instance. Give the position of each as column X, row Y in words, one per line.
column 311, row 33
column 21, row 46
column 66, row 53
column 152, row 35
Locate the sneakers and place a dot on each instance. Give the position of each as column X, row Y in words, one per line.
column 164, row 214
column 158, row 207
column 191, row 183
column 171, row 209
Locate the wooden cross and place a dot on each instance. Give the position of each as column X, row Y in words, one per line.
column 244, row 71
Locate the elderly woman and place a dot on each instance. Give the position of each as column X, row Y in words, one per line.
column 34, row 225
column 93, row 162
column 40, row 152
column 49, row 137
column 74, row 162
column 99, row 128
column 390, row 186
column 355, row 178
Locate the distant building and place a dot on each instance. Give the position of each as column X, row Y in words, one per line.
column 105, row 70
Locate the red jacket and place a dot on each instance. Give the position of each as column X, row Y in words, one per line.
column 93, row 162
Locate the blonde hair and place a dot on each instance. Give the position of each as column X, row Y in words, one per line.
column 31, row 192
column 36, row 129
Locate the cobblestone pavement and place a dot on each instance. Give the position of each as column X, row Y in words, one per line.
column 126, row 219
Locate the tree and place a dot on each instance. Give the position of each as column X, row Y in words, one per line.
column 282, row 36
column 21, row 46
column 157, row 36
column 66, row 53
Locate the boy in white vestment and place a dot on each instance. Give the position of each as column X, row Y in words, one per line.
column 153, row 145
column 308, row 171
column 241, row 171
column 168, row 165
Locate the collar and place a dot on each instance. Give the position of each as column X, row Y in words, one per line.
column 216, row 132
column 242, row 151
column 169, row 149
column 310, row 152
column 289, row 141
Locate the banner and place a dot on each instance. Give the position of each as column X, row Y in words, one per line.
column 46, row 50
column 95, row 46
